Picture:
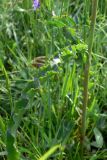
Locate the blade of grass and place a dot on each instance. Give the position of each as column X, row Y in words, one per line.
column 50, row 152
column 7, row 83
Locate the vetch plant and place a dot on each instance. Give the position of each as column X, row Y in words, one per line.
column 36, row 4
column 41, row 72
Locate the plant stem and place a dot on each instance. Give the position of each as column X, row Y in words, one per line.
column 86, row 75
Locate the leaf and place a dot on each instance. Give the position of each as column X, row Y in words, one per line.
column 57, row 23
column 2, row 126
column 2, row 130
column 50, row 152
column 68, row 82
column 12, row 151
column 94, row 157
column 98, row 137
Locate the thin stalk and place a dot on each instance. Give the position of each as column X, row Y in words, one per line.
column 86, row 75
column 7, row 84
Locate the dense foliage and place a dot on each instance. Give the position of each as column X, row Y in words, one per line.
column 41, row 99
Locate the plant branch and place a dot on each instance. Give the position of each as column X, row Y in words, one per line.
column 86, row 74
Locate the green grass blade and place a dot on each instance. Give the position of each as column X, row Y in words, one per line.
column 50, row 152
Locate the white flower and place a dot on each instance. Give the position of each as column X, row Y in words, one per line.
column 55, row 61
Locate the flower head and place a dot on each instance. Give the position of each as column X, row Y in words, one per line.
column 36, row 4
column 55, row 61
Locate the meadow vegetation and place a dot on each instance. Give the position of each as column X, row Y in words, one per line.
column 41, row 99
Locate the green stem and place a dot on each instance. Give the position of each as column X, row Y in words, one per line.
column 86, row 75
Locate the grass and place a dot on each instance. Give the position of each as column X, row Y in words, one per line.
column 41, row 107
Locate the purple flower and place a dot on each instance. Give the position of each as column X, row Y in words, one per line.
column 36, row 4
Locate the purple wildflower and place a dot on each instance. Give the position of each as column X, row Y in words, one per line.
column 36, row 4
